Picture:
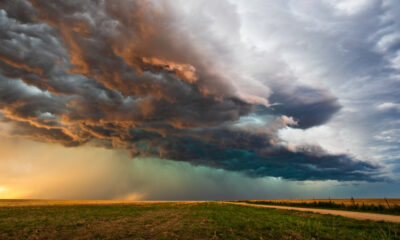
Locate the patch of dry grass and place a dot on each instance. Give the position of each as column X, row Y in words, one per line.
column 39, row 202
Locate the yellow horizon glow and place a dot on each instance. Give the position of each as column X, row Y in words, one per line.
column 31, row 169
column 9, row 193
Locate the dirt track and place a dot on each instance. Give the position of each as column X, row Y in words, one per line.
column 349, row 214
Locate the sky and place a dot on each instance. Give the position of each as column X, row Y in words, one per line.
column 199, row 99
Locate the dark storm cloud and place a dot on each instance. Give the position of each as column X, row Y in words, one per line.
column 123, row 74
column 306, row 163
column 21, row 10
column 309, row 107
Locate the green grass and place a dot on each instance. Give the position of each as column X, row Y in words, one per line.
column 393, row 210
column 182, row 221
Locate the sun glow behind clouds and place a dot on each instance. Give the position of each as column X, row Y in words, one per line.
column 10, row 193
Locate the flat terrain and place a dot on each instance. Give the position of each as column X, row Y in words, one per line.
column 176, row 220
column 348, row 214
column 35, row 202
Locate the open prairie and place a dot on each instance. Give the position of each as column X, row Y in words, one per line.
column 42, row 219
column 40, row 202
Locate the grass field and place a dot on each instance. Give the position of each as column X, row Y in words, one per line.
column 176, row 220
column 377, row 205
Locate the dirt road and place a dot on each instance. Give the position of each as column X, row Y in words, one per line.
column 349, row 214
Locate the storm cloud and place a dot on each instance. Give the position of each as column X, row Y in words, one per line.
column 136, row 75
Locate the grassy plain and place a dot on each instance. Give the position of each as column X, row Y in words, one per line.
column 176, row 220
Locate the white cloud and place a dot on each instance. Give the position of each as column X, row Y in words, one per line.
column 352, row 6
column 389, row 106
